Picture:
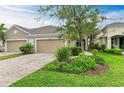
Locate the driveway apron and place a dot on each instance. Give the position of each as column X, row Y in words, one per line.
column 14, row 69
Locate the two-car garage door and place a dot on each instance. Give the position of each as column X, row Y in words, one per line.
column 13, row 46
column 49, row 46
column 43, row 46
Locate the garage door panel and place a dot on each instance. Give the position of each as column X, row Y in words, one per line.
column 49, row 46
column 13, row 46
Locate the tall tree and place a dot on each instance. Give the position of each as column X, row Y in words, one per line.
column 2, row 33
column 77, row 21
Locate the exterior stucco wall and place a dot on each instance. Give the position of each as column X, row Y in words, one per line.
column 111, row 31
column 102, row 41
column 16, row 34
column 71, row 43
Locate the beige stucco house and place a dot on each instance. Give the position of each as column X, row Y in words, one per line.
column 112, row 35
column 44, row 39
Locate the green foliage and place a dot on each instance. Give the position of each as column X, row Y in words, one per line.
column 80, row 21
column 63, row 54
column 2, row 33
column 103, row 47
column 82, row 64
column 26, row 48
column 116, row 51
column 81, row 54
column 112, row 78
column 98, row 59
column 10, row 56
column 51, row 66
column 75, row 50
column 96, row 46
column 94, row 51
column 56, row 66
column 78, row 65
column 122, row 47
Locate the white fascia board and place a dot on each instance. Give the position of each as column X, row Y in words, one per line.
column 23, row 30
column 45, row 38
column 14, row 26
column 16, row 39
column 36, row 35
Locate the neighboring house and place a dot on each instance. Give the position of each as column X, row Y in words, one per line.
column 44, row 39
column 112, row 35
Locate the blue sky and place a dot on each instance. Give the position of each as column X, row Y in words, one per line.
column 26, row 15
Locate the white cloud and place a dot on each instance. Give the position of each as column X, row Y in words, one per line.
column 20, row 16
column 18, row 9
column 113, row 16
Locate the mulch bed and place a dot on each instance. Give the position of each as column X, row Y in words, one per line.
column 100, row 69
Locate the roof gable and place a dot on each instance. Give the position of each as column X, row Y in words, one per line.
column 40, row 30
column 115, row 24
column 16, row 27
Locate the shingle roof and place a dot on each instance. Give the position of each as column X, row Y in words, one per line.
column 40, row 30
column 116, row 24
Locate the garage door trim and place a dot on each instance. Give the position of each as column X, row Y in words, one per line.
column 13, row 40
column 36, row 39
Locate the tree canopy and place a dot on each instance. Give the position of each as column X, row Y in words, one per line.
column 2, row 33
column 77, row 21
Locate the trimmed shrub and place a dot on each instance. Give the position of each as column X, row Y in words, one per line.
column 81, row 54
column 96, row 46
column 122, row 47
column 55, row 66
column 103, row 47
column 94, row 51
column 51, row 67
column 75, row 50
column 98, row 59
column 26, row 48
column 84, row 63
column 78, row 65
column 110, row 51
column 116, row 51
column 63, row 54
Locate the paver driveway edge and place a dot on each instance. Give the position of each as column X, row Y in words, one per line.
column 14, row 69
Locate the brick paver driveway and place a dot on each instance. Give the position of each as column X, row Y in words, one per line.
column 16, row 68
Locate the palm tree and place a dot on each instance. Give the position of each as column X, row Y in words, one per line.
column 2, row 33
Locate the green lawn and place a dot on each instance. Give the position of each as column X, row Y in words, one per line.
column 9, row 56
column 114, row 77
